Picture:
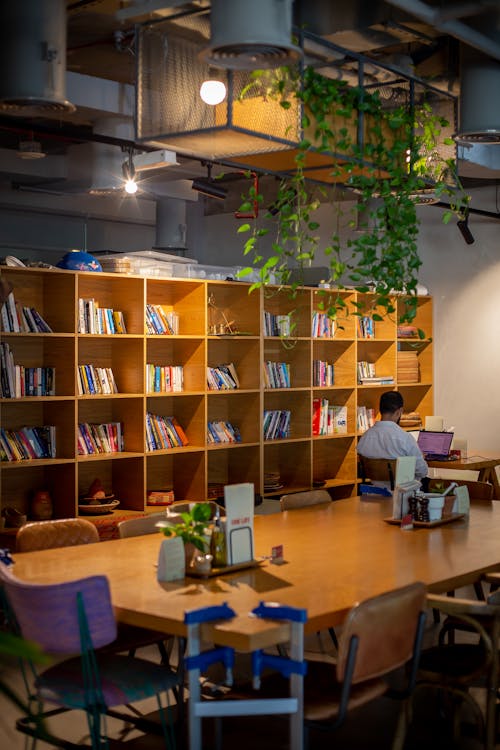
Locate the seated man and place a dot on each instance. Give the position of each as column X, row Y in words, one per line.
column 386, row 439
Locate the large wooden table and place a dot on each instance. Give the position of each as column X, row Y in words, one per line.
column 335, row 556
column 485, row 466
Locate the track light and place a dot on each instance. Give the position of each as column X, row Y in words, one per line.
column 207, row 186
column 463, row 225
column 129, row 175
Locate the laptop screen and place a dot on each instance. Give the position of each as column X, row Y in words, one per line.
column 437, row 443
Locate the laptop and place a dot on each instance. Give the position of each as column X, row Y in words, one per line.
column 435, row 445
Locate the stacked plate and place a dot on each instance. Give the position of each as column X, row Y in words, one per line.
column 95, row 507
column 272, row 481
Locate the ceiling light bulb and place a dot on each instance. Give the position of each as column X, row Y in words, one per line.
column 213, row 92
column 131, row 187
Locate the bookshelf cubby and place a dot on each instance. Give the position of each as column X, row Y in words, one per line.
column 194, row 470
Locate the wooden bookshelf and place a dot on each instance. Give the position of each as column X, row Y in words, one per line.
column 204, row 308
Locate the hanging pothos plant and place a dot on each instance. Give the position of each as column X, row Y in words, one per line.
column 398, row 159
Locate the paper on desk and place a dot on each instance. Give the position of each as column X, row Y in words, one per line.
column 239, row 502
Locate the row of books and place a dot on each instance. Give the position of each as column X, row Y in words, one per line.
column 95, row 319
column 164, row 432
column 323, row 373
column 366, row 327
column 160, row 321
column 222, row 378
column 164, row 378
column 95, row 380
column 277, row 375
column 100, row 438
column 17, row 381
column 277, row 325
column 328, row 419
column 368, row 376
column 276, row 424
column 365, row 418
column 222, row 432
column 323, row 326
column 18, row 319
column 407, row 367
column 28, row 443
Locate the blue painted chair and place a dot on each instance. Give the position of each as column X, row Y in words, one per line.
column 292, row 667
column 74, row 620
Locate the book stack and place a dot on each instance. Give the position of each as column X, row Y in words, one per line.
column 222, row 432
column 367, row 376
column 323, row 373
column 28, row 443
column 276, row 375
column 95, row 380
column 95, row 319
column 222, row 378
column 276, row 424
column 99, row 438
column 366, row 328
column 17, row 319
column 163, row 433
column 17, row 381
column 407, row 369
column 365, row 418
column 328, row 419
column 323, row 326
column 277, row 325
column 161, row 322
column 164, row 378
column 407, row 332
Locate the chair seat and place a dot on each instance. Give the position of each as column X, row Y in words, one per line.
column 123, row 680
column 130, row 637
column 458, row 663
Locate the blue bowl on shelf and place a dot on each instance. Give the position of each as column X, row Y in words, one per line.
column 79, row 260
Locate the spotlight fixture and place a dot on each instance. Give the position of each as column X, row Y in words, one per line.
column 213, row 92
column 463, row 225
column 129, row 175
column 207, row 186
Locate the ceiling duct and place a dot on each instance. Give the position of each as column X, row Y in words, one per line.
column 479, row 100
column 33, row 57
column 170, row 224
column 252, row 35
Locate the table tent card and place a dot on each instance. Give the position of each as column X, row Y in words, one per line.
column 239, row 502
column 171, row 560
column 405, row 485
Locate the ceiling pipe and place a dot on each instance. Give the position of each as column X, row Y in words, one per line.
column 457, row 29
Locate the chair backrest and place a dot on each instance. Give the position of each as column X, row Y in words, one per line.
column 140, row 526
column 303, row 499
column 48, row 614
column 64, row 532
column 477, row 490
column 182, row 507
column 386, row 627
column 378, row 469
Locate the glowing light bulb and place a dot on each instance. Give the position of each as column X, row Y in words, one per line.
column 131, row 187
column 213, row 92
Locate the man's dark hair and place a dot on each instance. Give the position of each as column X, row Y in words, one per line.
column 390, row 402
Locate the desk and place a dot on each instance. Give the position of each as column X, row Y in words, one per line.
column 485, row 466
column 335, row 555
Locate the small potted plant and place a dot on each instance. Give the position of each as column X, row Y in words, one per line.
column 191, row 527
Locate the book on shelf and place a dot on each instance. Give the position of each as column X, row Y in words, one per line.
column 161, row 322
column 381, row 380
column 367, row 375
column 366, row 327
column 95, row 380
column 164, row 378
column 323, row 326
column 163, row 432
column 222, row 377
column 17, row 319
column 28, row 443
column 277, row 325
column 92, row 318
column 407, row 367
column 276, row 424
column 323, row 373
column 220, row 431
column 277, row 375
column 94, row 438
column 328, row 419
column 365, row 418
column 17, row 380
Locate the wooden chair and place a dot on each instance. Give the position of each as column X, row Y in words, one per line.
column 63, row 532
column 74, row 620
column 140, row 526
column 377, row 469
column 458, row 667
column 303, row 499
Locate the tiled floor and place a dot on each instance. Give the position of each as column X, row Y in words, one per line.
column 370, row 727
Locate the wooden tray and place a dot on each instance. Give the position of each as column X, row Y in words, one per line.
column 192, row 573
column 429, row 524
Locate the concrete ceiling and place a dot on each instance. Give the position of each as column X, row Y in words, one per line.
column 101, row 71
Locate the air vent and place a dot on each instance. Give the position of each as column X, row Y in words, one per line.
column 33, row 57
column 253, row 35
